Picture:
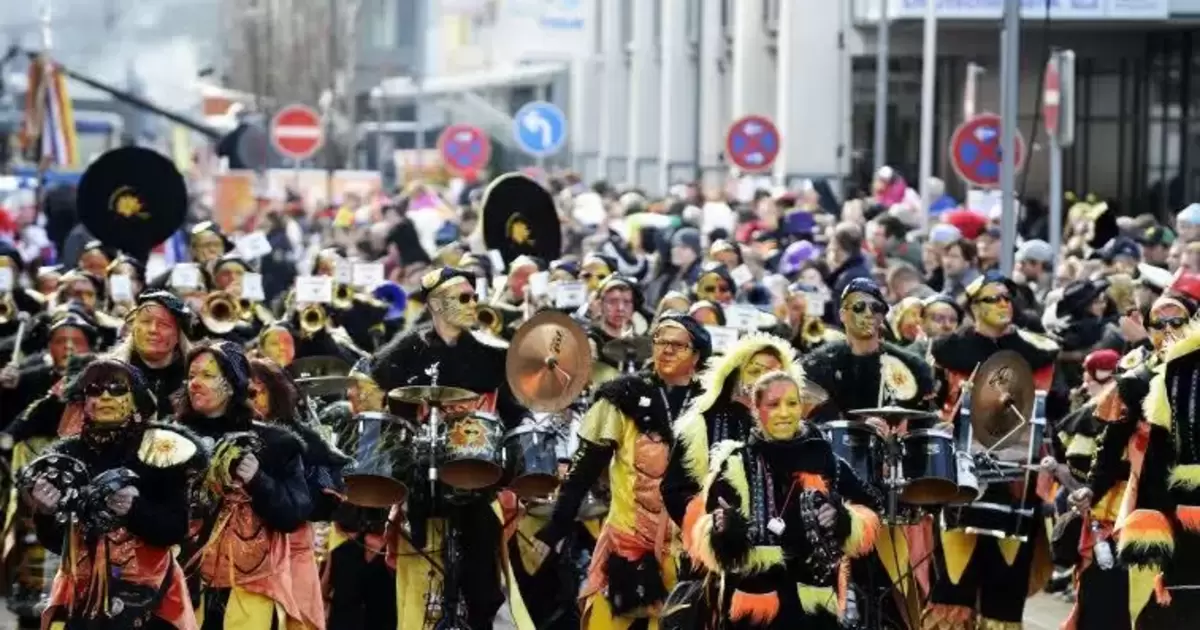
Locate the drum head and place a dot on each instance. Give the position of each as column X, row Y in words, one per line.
column 374, row 491
column 929, row 492
column 535, row 485
column 470, row 474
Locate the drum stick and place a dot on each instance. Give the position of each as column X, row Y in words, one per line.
column 22, row 325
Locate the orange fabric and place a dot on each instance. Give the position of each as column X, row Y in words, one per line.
column 811, row 481
column 1189, row 517
column 1043, row 378
column 631, row 547
column 1110, row 407
column 1136, row 454
column 1161, row 594
column 135, row 562
column 954, row 381
column 695, row 510
column 920, row 550
column 759, row 608
column 306, row 580
column 242, row 552
column 71, row 422
column 1147, row 523
column 510, row 508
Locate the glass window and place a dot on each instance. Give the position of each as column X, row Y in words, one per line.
column 379, row 21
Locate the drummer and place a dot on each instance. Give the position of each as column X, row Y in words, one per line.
column 982, row 579
column 449, row 352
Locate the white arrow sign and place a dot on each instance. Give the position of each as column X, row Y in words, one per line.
column 535, row 123
column 540, row 128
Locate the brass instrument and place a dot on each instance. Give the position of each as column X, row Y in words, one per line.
column 220, row 312
column 313, row 318
column 8, row 308
column 812, row 330
column 490, row 319
column 343, row 297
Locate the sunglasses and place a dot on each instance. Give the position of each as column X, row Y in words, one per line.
column 114, row 388
column 587, row 275
column 1168, row 323
column 995, row 299
column 714, row 288
column 875, row 307
column 466, row 298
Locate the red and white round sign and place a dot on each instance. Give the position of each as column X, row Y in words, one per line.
column 297, row 132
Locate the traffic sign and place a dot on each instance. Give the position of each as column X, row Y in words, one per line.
column 1051, row 97
column 296, row 132
column 465, row 149
column 540, row 128
column 752, row 143
column 1058, row 101
column 975, row 151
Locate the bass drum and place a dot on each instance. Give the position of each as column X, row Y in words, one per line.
column 473, row 457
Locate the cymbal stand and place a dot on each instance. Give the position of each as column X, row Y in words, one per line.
column 431, row 430
column 450, row 594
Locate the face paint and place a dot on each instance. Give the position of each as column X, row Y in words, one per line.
column 207, row 247
column 278, row 345
column 260, row 398
column 155, row 332
column 207, row 388
column 992, row 307
column 228, row 275
column 939, row 320
column 364, row 394
column 1166, row 322
column 108, row 401
column 860, row 315
column 616, row 308
column 674, row 357
column 706, row 316
column 66, row 342
column 458, row 305
column 780, row 410
column 593, row 273
column 714, row 288
column 758, row 364
column 94, row 262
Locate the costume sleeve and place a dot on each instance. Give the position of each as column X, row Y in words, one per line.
column 858, row 520
column 281, row 497
column 727, row 549
column 589, row 462
column 325, row 487
column 40, row 419
column 50, row 533
column 159, row 515
column 603, row 424
column 1110, row 451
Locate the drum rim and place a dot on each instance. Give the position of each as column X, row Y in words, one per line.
column 929, row 433
column 850, row 424
column 991, row 506
column 527, row 428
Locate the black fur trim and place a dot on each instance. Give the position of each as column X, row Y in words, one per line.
column 640, row 398
column 634, row 585
column 731, row 546
column 279, row 444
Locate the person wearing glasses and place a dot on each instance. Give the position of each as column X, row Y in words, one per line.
column 448, row 351
column 715, row 285
column 627, row 432
column 116, row 544
column 980, row 579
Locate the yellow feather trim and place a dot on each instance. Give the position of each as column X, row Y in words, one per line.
column 1186, row 477
column 1187, row 341
column 714, row 377
column 722, row 452
column 691, row 434
column 864, row 528
column 1157, row 407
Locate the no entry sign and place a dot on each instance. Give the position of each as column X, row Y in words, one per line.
column 975, row 151
column 465, row 149
column 296, row 132
column 1058, row 97
column 752, row 143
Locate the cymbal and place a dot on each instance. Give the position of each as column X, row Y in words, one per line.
column 433, row 395
column 319, row 366
column 894, row 414
column 813, row 394
column 623, row 349
column 549, row 362
column 1004, row 379
column 323, row 385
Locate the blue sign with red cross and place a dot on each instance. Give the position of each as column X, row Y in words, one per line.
column 975, row 151
column 752, row 143
column 465, row 149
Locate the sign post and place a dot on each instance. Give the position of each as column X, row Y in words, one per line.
column 752, row 143
column 1058, row 114
column 297, row 132
column 540, row 129
column 975, row 152
column 465, row 149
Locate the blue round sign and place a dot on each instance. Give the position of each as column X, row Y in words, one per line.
column 975, row 151
column 465, row 149
column 752, row 143
column 540, row 129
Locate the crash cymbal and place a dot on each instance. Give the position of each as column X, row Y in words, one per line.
column 1002, row 383
column 432, row 395
column 319, row 366
column 626, row 349
column 549, row 362
column 893, row 414
column 323, row 385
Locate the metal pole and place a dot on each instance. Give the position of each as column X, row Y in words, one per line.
column 379, row 104
column 418, row 77
column 1010, row 94
column 882, row 75
column 1056, row 199
column 928, row 91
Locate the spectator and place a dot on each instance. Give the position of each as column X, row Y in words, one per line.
column 1034, row 259
column 988, row 246
column 960, row 264
column 1156, row 242
column 888, row 241
column 845, row 258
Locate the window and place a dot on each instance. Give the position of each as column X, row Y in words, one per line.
column 379, row 21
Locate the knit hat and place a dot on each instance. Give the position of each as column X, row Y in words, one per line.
column 175, row 306
column 231, row 359
column 701, row 340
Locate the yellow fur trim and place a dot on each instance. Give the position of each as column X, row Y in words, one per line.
column 1080, row 446
column 1187, row 342
column 691, row 434
column 714, row 377
column 1156, row 406
column 736, row 475
column 814, row 599
column 1147, row 530
column 701, row 549
column 1186, row 477
column 996, row 624
column 864, row 528
column 763, row 558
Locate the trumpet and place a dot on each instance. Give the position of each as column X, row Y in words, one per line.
column 343, row 297
column 220, row 312
column 813, row 330
column 490, row 319
column 8, row 308
column 312, row 319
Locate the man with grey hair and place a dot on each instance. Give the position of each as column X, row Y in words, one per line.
column 1034, row 259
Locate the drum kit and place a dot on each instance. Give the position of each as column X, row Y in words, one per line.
column 924, row 468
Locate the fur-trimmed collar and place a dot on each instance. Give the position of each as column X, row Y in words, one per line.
column 715, row 376
column 640, row 398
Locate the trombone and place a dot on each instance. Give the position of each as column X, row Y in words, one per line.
column 220, row 313
column 313, row 319
column 8, row 308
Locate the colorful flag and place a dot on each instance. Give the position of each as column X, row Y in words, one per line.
column 49, row 126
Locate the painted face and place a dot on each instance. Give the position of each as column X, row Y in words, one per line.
column 939, row 320
column 758, row 364
column 94, row 262
column 229, row 274
column 208, row 390
column 65, row 343
column 458, row 305
column 993, row 306
column 861, row 315
column 207, row 247
column 780, row 410
column 82, row 291
column 674, row 356
column 706, row 316
column 364, row 394
column 260, row 398
column 593, row 273
column 616, row 308
column 1166, row 322
column 714, row 288
column 278, row 345
column 155, row 332
column 108, row 401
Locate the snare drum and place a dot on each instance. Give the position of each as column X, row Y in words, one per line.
column 382, row 446
column 991, row 519
column 860, row 445
column 929, row 467
column 473, row 459
column 531, row 457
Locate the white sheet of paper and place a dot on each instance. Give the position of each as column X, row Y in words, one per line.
column 120, row 288
column 723, row 337
column 741, row 275
column 497, row 260
column 7, row 281
column 253, row 246
column 481, row 289
column 539, row 283
column 343, row 273
column 368, row 275
column 186, row 276
column 314, row 289
column 742, row 316
column 252, row 287
column 814, row 304
column 570, row 294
